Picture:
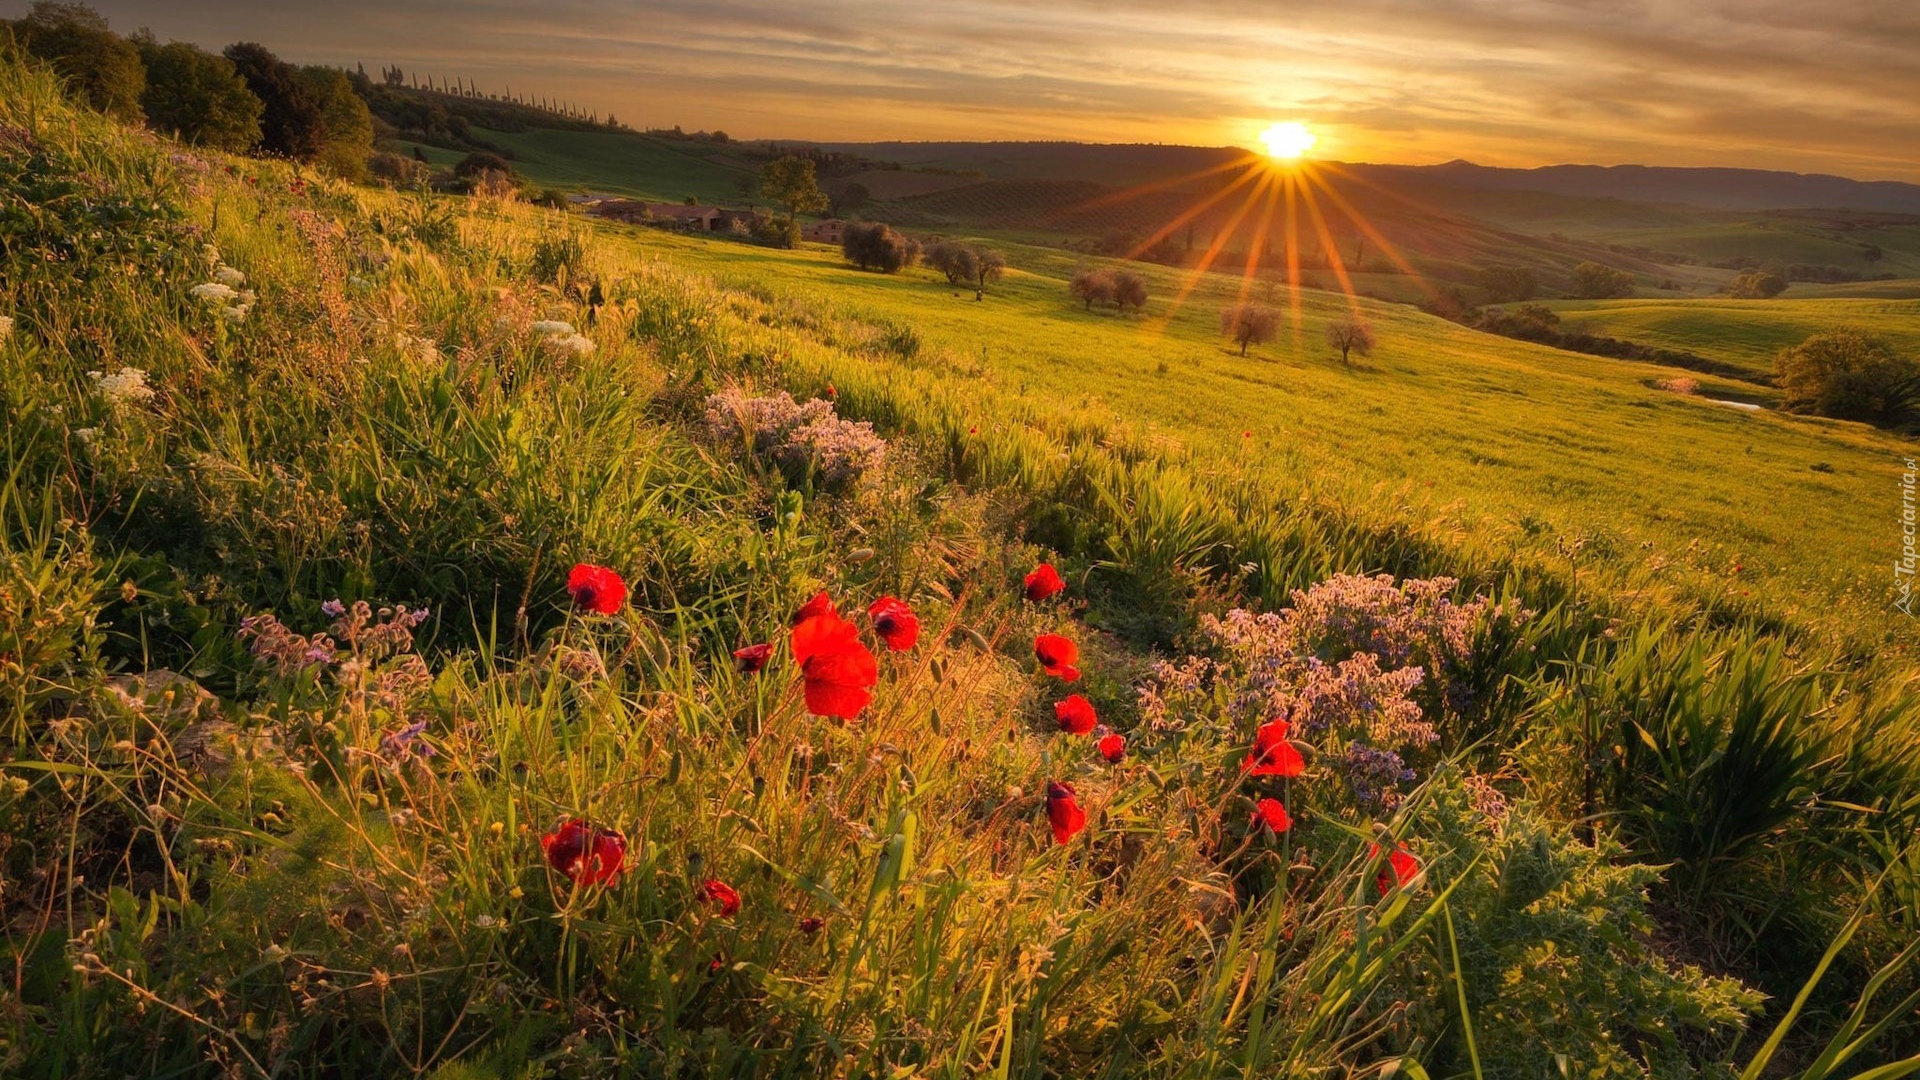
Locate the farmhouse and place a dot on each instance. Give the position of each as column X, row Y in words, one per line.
column 668, row 215
column 825, row 232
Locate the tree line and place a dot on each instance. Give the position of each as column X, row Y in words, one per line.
column 243, row 99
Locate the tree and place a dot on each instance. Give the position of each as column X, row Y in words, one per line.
column 198, row 97
column 1757, row 285
column 988, row 266
column 875, row 246
column 1129, row 290
column 1509, row 284
column 1249, row 324
column 1350, row 335
column 1091, row 285
column 1592, row 281
column 790, row 183
column 956, row 260
column 103, row 68
column 291, row 123
column 1850, row 374
column 850, row 198
column 346, row 125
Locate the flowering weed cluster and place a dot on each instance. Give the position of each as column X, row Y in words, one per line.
column 800, row 437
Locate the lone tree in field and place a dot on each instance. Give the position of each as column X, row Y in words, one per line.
column 1350, row 335
column 988, row 266
column 1129, row 290
column 1849, row 374
column 875, row 246
column 790, row 183
column 1091, row 285
column 1249, row 324
column 1593, row 281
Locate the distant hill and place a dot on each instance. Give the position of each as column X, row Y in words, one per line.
column 1709, row 188
column 1715, row 189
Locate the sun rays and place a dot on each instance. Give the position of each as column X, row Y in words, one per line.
column 1266, row 206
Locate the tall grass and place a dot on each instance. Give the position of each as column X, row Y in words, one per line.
column 214, row 862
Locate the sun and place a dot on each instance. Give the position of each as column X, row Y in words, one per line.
column 1287, row 141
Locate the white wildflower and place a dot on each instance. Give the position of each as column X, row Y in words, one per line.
column 553, row 326
column 85, row 434
column 124, row 387
column 573, row 344
column 235, row 314
column 229, row 277
column 214, row 290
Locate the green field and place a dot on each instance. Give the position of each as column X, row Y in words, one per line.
column 1750, row 333
column 619, row 163
column 443, row 638
column 1504, row 442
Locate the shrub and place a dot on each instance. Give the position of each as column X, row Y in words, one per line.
column 1594, row 281
column 875, row 246
column 1129, row 290
column 1757, row 285
column 1850, row 374
column 1091, row 285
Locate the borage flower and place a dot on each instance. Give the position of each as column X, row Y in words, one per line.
column 1112, row 746
column 1401, row 868
column 1075, row 715
column 895, row 622
column 721, row 895
column 585, row 853
column 752, row 659
column 596, row 588
column 1273, row 814
column 1063, row 811
column 1043, row 582
column 1273, row 753
column 837, row 668
column 1057, row 655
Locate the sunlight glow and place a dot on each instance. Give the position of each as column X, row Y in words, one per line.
column 1287, row 141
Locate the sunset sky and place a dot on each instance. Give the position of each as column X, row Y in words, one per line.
column 1811, row 87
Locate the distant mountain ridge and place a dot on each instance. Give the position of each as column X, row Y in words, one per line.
column 1708, row 188
column 1713, row 188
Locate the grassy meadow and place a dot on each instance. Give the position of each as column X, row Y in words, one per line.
column 1749, row 333
column 619, row 163
column 1613, row 771
column 1504, row 447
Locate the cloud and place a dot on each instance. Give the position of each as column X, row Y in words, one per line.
column 1825, row 87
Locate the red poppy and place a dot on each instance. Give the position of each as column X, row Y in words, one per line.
column 1273, row 754
column 596, row 588
column 1401, row 867
column 1272, row 814
column 1075, row 715
column 821, row 604
column 1113, row 747
column 837, row 668
column 721, row 895
column 831, row 392
column 895, row 622
column 811, row 924
column 752, row 659
column 1043, row 582
column 1057, row 654
column 1063, row 812
column 586, row 854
